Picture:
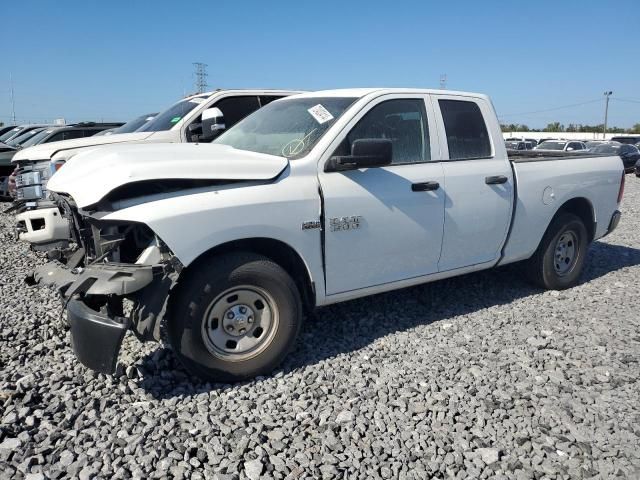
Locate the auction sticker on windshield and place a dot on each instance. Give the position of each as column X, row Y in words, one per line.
column 320, row 113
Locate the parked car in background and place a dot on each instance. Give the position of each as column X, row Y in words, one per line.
column 69, row 132
column 637, row 168
column 594, row 143
column 131, row 125
column 630, row 139
column 39, row 135
column 532, row 141
column 629, row 154
column 562, row 146
column 198, row 118
column 19, row 130
column 316, row 199
column 518, row 145
column 5, row 128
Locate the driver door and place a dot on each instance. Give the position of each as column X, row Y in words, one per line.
column 382, row 224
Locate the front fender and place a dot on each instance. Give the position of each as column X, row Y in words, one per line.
column 195, row 222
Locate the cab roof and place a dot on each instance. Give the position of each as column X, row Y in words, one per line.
column 362, row 92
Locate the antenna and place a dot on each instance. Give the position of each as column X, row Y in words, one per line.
column 13, row 100
column 201, row 76
column 443, row 81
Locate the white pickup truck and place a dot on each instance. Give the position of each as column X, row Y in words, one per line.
column 315, row 199
column 197, row 118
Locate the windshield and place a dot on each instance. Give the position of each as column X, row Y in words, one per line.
column 167, row 119
column 37, row 138
column 10, row 133
column 20, row 139
column 288, row 128
column 135, row 124
column 552, row 145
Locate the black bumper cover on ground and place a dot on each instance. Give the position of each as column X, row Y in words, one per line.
column 95, row 337
column 615, row 220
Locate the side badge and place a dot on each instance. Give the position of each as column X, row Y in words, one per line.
column 345, row 223
column 311, row 225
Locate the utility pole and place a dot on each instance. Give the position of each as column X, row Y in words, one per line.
column 13, row 101
column 606, row 113
column 443, row 81
column 201, row 76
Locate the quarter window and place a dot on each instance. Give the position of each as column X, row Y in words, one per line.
column 403, row 121
column 467, row 135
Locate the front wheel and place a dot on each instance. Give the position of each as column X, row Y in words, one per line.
column 236, row 316
column 557, row 263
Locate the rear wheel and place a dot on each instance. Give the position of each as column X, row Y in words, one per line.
column 557, row 263
column 234, row 317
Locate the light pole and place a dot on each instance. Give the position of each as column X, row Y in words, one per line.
column 606, row 113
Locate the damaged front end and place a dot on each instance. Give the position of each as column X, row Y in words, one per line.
column 109, row 262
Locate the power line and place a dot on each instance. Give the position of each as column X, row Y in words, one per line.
column 628, row 100
column 552, row 109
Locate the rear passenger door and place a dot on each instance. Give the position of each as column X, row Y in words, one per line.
column 478, row 184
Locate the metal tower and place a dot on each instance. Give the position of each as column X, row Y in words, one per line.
column 201, row 76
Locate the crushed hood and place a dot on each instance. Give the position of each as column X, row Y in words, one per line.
column 89, row 176
column 45, row 151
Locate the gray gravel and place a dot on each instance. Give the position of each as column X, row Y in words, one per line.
column 474, row 377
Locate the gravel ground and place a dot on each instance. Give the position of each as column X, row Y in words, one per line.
column 474, row 377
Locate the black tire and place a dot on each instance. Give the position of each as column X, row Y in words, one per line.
column 195, row 297
column 541, row 268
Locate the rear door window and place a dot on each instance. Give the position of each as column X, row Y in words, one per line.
column 467, row 135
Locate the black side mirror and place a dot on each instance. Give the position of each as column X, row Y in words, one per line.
column 365, row 153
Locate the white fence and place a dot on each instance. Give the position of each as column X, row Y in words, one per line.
column 563, row 135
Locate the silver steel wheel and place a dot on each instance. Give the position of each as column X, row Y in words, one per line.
column 240, row 323
column 566, row 253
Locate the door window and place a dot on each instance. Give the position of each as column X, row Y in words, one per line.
column 235, row 109
column 65, row 135
column 467, row 135
column 403, row 121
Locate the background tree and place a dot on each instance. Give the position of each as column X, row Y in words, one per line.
column 554, row 127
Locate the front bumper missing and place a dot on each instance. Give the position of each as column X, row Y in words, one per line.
column 96, row 336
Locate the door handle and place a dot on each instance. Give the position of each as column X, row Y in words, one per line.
column 425, row 186
column 495, row 180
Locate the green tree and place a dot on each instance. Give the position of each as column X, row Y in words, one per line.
column 634, row 129
column 554, row 127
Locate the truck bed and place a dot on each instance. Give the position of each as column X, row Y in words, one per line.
column 540, row 190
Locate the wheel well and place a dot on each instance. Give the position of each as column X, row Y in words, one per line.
column 278, row 251
column 582, row 208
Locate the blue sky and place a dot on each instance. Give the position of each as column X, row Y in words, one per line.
column 115, row 60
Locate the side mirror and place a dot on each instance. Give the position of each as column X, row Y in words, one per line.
column 212, row 123
column 365, row 153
